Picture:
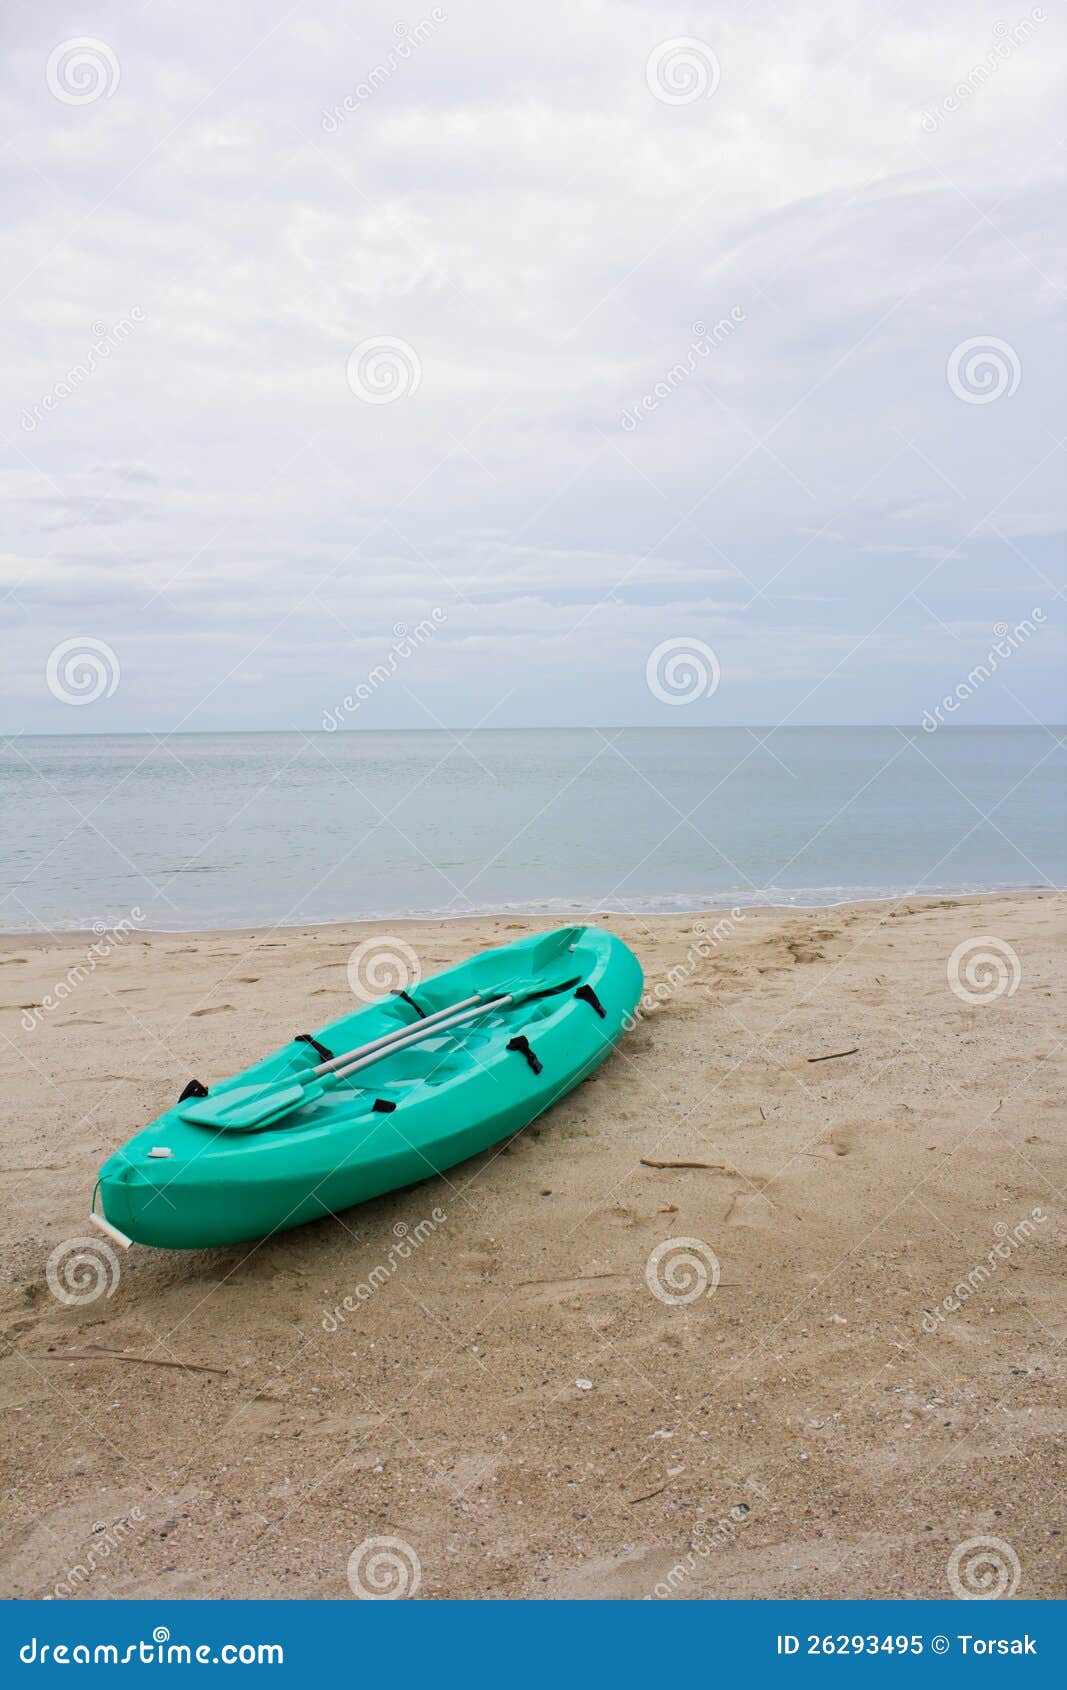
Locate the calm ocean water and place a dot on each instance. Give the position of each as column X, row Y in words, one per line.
column 226, row 830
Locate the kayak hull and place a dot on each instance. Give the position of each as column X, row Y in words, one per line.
column 407, row 1118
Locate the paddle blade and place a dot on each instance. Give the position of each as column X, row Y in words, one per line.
column 244, row 1108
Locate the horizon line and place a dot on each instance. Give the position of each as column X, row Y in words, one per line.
column 541, row 727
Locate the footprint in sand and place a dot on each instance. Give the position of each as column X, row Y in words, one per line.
column 842, row 1141
column 214, row 1009
column 484, row 1264
column 752, row 1208
column 801, row 952
column 568, row 1292
column 620, row 1214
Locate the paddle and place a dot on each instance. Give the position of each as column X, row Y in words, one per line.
column 346, row 1056
column 217, row 1111
column 244, row 1108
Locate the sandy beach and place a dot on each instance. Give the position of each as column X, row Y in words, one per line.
column 877, row 1167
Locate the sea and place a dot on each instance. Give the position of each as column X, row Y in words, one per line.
column 225, row 830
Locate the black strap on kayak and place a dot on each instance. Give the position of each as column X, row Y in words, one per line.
column 587, row 995
column 195, row 1088
column 320, row 1050
column 522, row 1044
column 421, row 1013
column 382, row 1106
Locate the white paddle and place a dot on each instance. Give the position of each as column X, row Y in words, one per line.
column 246, row 1106
column 243, row 1108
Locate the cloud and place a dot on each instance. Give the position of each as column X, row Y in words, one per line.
column 512, row 204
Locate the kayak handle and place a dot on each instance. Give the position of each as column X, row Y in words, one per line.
column 113, row 1232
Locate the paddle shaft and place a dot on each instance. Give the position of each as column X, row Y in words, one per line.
column 423, row 1031
column 239, row 1114
column 267, row 1102
column 449, row 1019
column 398, row 1033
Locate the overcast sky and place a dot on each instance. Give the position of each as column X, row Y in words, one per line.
column 735, row 326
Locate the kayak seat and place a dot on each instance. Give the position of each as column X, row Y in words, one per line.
column 555, row 947
column 543, row 1010
column 419, row 1063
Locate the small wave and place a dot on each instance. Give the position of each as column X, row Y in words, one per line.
column 196, row 868
column 651, row 904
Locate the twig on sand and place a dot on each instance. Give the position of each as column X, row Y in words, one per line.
column 648, row 1495
column 834, row 1054
column 646, row 1162
column 578, row 1278
column 99, row 1353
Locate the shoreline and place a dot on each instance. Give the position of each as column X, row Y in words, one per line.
column 947, row 896
column 860, row 1130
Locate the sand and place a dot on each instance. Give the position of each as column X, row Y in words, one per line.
column 511, row 1400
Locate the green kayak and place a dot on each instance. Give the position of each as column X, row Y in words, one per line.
column 387, row 1096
